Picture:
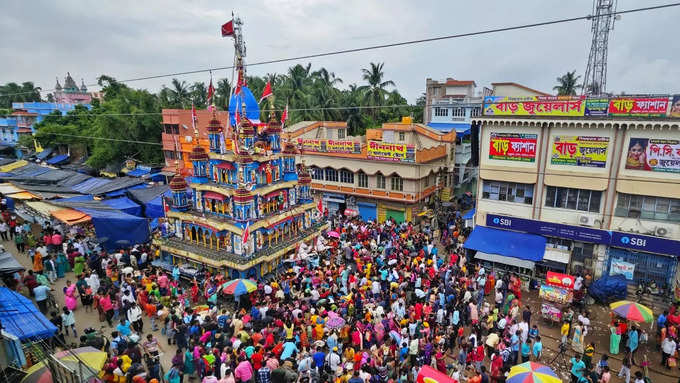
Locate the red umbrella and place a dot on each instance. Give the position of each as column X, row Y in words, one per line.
column 428, row 374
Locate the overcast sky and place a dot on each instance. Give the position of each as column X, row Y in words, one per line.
column 125, row 39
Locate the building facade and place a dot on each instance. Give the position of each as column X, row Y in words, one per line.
column 71, row 93
column 25, row 115
column 388, row 173
column 602, row 194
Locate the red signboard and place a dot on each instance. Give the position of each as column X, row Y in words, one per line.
column 512, row 147
column 638, row 106
column 559, row 280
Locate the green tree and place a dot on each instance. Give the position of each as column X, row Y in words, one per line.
column 13, row 92
column 222, row 93
column 374, row 92
column 180, row 93
column 567, row 84
column 199, row 95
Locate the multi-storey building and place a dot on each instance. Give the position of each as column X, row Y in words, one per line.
column 576, row 185
column 71, row 93
column 25, row 115
column 388, row 173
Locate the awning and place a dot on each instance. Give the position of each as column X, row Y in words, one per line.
column 71, row 216
column 556, row 255
column 213, row 195
column 351, row 213
column 23, row 195
column 9, row 189
column 461, row 128
column 225, row 165
column 9, row 264
column 42, row 155
column 504, row 260
column 21, row 318
column 56, row 160
column 470, row 214
column 138, row 172
column 529, row 247
column 43, row 208
column 12, row 166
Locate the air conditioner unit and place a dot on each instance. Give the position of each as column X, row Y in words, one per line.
column 663, row 231
column 585, row 220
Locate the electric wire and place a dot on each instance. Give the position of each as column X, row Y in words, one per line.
column 389, row 45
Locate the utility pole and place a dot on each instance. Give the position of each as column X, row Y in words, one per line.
column 595, row 79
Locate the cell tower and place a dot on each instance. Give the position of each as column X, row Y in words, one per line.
column 595, row 80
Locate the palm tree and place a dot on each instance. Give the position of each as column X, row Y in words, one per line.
column 199, row 94
column 180, row 93
column 568, row 84
column 374, row 92
column 327, row 78
column 222, row 93
column 353, row 116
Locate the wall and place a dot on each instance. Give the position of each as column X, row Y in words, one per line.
column 512, row 90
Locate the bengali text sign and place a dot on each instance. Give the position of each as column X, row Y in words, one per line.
column 534, row 106
column 512, row 147
column 580, row 151
column 638, row 106
column 329, row 146
column 391, row 152
column 656, row 155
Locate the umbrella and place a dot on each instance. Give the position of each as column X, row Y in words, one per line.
column 531, row 372
column 334, row 321
column 92, row 358
column 428, row 374
column 632, row 311
column 238, row 287
column 333, row 234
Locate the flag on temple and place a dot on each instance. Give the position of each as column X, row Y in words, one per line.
column 246, row 233
column 284, row 116
column 319, row 206
column 194, row 117
column 267, row 92
column 211, row 92
column 228, row 28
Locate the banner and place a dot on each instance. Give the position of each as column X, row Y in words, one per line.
column 580, row 151
column 675, row 106
column 560, row 280
column 391, row 152
column 329, row 146
column 656, row 155
column 597, row 107
column 513, row 147
column 550, row 229
column 638, row 106
column 623, row 268
column 534, row 106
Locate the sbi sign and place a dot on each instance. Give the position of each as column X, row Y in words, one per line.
column 502, row 221
column 633, row 241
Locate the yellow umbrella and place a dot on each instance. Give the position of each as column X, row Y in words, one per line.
column 92, row 359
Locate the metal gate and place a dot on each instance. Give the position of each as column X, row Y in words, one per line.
column 648, row 267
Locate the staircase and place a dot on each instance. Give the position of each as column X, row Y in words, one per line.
column 657, row 303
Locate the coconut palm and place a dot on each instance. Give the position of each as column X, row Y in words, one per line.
column 199, row 94
column 222, row 93
column 327, row 78
column 374, row 92
column 180, row 93
column 567, row 84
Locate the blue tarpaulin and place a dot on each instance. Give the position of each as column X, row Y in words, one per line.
column 42, row 155
column 470, row 214
column 118, row 226
column 56, row 160
column 21, row 318
column 529, row 247
column 138, row 172
column 461, row 128
column 92, row 183
column 252, row 107
column 126, row 205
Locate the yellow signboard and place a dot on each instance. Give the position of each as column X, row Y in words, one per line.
column 391, row 152
column 534, row 106
column 580, row 151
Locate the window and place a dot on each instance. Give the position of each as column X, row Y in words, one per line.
column 331, row 175
column 427, row 181
column 346, row 177
column 441, row 112
column 573, row 199
column 582, row 256
column 458, row 112
column 397, row 183
column 171, row 128
column 475, row 112
column 558, row 243
column 329, row 133
column 647, row 207
column 341, row 134
column 380, row 181
column 317, row 174
column 169, row 155
column 363, row 180
column 402, row 136
column 508, row 191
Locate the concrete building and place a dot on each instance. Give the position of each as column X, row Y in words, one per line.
column 71, row 93
column 601, row 193
column 25, row 115
column 388, row 173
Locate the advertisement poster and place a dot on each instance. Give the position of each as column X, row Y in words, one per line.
column 675, row 106
column 619, row 267
column 655, row 155
column 560, row 280
column 329, row 146
column 638, row 106
column 513, row 147
column 580, row 151
column 597, row 106
column 391, row 152
column 534, row 106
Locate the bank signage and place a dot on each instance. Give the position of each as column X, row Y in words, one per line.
column 645, row 243
column 575, row 233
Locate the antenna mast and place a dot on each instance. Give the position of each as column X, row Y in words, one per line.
column 595, row 79
column 239, row 45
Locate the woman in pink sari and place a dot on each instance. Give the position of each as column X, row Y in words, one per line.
column 70, row 295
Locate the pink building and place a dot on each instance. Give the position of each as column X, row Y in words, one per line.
column 71, row 93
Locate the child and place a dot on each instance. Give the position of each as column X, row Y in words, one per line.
column 68, row 320
column 604, row 362
column 533, row 332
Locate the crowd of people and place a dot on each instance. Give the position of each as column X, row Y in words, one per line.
column 371, row 304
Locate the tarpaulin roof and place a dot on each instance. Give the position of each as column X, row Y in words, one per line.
column 9, row 189
column 461, row 128
column 12, row 166
column 138, row 172
column 125, row 204
column 42, row 155
column 21, row 318
column 116, row 184
column 154, row 208
column 23, row 195
column 529, row 247
column 90, row 184
column 118, row 226
column 121, row 192
column 43, row 208
column 9, row 264
column 149, row 193
column 56, row 160
column 70, row 216
column 470, row 214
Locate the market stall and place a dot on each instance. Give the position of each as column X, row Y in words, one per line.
column 556, row 293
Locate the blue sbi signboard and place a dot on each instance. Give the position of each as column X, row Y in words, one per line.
column 584, row 234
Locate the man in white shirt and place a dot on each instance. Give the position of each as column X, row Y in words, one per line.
column 668, row 348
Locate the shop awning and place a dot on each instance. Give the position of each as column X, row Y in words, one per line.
column 70, row 216
column 42, row 155
column 495, row 258
column 556, row 255
column 470, row 214
column 23, row 195
column 43, row 208
column 461, row 128
column 21, row 318
column 56, row 160
column 213, row 195
column 13, row 165
column 225, row 165
column 9, row 189
column 138, row 172
column 529, row 247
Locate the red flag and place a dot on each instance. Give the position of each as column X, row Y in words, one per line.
column 194, row 117
column 211, row 92
column 228, row 28
column 246, row 233
column 319, row 206
column 284, row 116
column 266, row 92
column 237, row 117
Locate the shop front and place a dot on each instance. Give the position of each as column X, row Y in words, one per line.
column 334, row 202
column 642, row 258
column 368, row 211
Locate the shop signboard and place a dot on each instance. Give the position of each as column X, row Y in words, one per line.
column 329, row 146
column 391, row 152
column 586, row 151
column 512, row 146
column 574, row 233
column 564, row 281
column 645, row 243
column 638, row 106
column 597, row 107
column 534, row 106
column 675, row 106
column 656, row 155
column 620, row 267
